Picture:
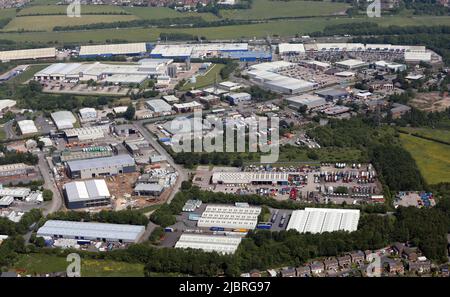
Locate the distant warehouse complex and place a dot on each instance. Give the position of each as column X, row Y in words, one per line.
column 28, row 54
column 319, row 220
column 101, row 166
column 207, row 243
column 92, row 231
column 231, row 217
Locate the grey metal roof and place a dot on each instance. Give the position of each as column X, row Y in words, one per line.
column 86, row 190
column 119, row 160
column 91, row 230
column 148, row 187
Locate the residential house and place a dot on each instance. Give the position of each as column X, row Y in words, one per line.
column 288, row 272
column 303, row 271
column 344, row 261
column 410, row 253
column 395, row 267
column 317, row 268
column 398, row 248
column 357, row 257
column 419, row 266
column 331, row 264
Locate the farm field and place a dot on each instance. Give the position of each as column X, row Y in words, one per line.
column 62, row 9
column 438, row 134
column 34, row 264
column 266, row 9
column 432, row 158
column 47, row 23
column 282, row 28
column 207, row 79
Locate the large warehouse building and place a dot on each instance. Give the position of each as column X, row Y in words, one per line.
column 28, row 54
column 101, row 166
column 310, row 101
column 88, row 193
column 27, row 127
column 267, row 178
column 108, row 50
column 199, row 50
column 92, row 231
column 63, row 119
column 209, row 243
column 230, row 217
column 318, row 220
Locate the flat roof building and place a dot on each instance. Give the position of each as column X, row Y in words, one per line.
column 28, row 54
column 416, row 57
column 101, row 166
column 106, row 50
column 92, row 231
column 86, row 133
column 291, row 48
column 145, row 189
column 319, row 220
column 88, row 114
column 229, row 217
column 236, row 98
column 158, row 105
column 352, row 64
column 88, row 193
column 15, row 169
column 209, row 243
column 27, row 127
column 63, row 119
column 311, row 101
column 7, row 104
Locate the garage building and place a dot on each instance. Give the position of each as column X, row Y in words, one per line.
column 89, row 193
column 92, row 231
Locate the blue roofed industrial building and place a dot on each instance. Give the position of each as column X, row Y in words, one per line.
column 249, row 56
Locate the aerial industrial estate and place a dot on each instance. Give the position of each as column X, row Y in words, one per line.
column 99, row 153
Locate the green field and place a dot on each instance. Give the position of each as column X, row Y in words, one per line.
column 205, row 80
column 28, row 74
column 7, row 13
column 62, row 9
column 282, row 28
column 432, row 158
column 438, row 134
column 48, row 22
column 266, row 9
column 41, row 264
column 295, row 154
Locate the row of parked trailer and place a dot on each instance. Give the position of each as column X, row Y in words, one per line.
column 346, row 177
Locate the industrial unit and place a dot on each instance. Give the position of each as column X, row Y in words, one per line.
column 230, row 217
column 88, row 114
column 209, row 243
column 15, row 169
column 318, row 220
column 92, row 231
column 310, row 101
column 268, row 178
column 86, row 133
column 28, row 54
column 63, row 119
column 145, row 189
column 16, row 193
column 101, row 166
column 7, row 104
column 88, row 193
column 27, row 127
column 352, row 64
column 199, row 50
column 158, row 105
column 236, row 98
column 108, row 50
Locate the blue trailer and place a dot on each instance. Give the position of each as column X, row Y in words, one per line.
column 168, row 229
column 164, row 139
column 217, row 229
column 264, row 226
column 83, row 241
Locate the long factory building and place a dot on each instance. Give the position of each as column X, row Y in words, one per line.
column 319, row 220
column 268, row 178
column 209, row 243
column 28, row 54
column 230, row 217
column 92, row 231
column 101, row 166
column 108, row 50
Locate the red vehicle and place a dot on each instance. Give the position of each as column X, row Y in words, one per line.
column 293, row 194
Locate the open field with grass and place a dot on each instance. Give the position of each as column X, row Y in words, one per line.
column 438, row 134
column 207, row 79
column 28, row 74
column 432, row 158
column 48, row 22
column 282, row 28
column 296, row 154
column 7, row 13
column 62, row 9
column 40, row 264
column 266, row 9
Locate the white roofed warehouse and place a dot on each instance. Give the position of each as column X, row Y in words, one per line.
column 28, row 54
column 63, row 119
column 88, row 193
column 108, row 50
column 92, row 231
column 101, row 166
column 229, row 217
column 209, row 243
column 319, row 220
column 27, row 127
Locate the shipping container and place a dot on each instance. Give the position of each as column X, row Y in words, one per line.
column 217, row 229
column 263, row 226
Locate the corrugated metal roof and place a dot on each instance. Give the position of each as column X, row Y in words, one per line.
column 119, row 160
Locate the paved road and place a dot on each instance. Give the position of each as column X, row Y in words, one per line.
column 49, row 183
column 182, row 173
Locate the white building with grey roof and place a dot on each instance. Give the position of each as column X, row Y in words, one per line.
column 92, row 231
column 101, row 166
column 63, row 119
column 88, row 193
column 158, row 105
